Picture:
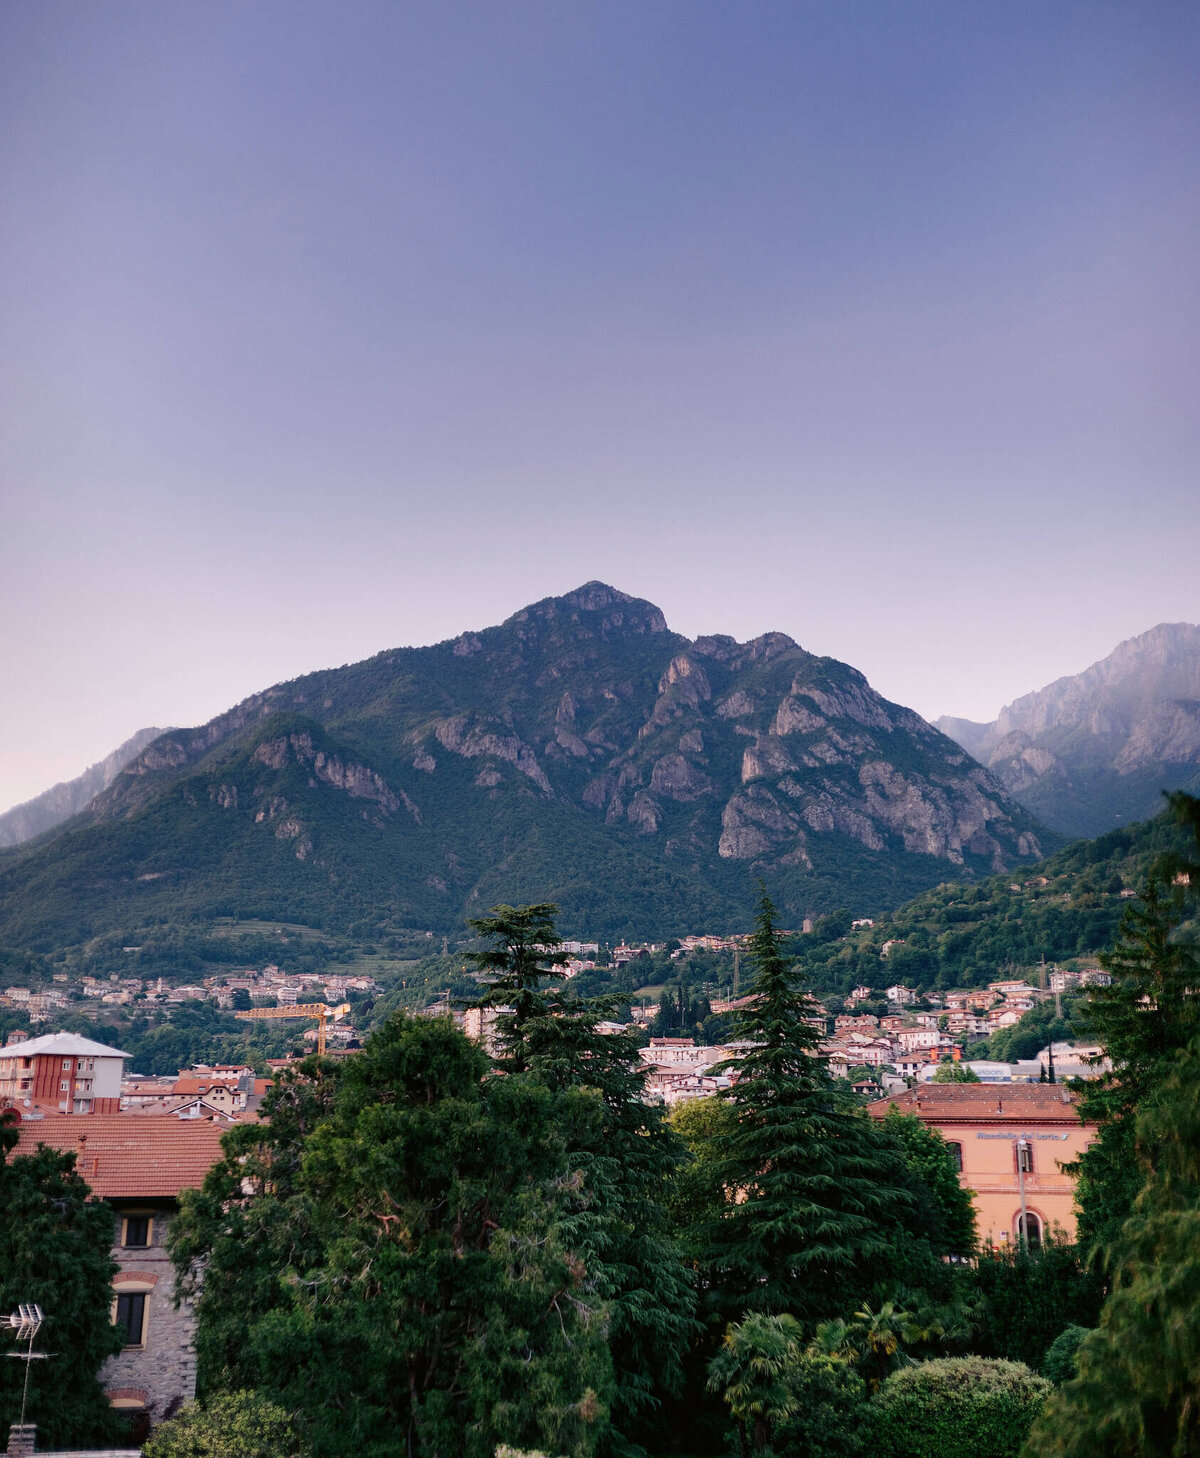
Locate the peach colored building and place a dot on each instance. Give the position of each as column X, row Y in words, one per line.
column 1004, row 1137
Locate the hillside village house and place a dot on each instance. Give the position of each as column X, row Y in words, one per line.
column 1010, row 1142
column 139, row 1165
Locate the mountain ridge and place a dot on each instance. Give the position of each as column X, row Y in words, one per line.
column 43, row 812
column 1096, row 749
column 580, row 751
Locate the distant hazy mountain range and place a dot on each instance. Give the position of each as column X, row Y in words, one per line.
column 580, row 752
column 1095, row 751
column 60, row 802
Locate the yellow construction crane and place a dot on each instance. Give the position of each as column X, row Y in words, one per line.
column 310, row 1010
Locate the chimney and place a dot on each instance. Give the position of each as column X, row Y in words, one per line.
column 21, row 1439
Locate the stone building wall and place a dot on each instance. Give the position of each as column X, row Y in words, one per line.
column 161, row 1373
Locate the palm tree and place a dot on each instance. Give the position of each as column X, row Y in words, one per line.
column 752, row 1370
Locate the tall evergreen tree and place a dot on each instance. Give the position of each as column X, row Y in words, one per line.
column 814, row 1189
column 56, row 1250
column 402, row 1258
column 524, row 952
column 1137, row 1394
column 1144, row 1017
column 625, row 1162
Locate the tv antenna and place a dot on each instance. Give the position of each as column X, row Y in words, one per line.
column 26, row 1321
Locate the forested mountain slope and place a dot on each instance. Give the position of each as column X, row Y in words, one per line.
column 580, row 752
column 954, row 935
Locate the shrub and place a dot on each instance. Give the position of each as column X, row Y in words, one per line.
column 956, row 1407
column 1060, row 1365
column 234, row 1425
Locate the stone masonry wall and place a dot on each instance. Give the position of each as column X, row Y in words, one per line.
column 162, row 1372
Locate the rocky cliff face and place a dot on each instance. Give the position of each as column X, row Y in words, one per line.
column 580, row 752
column 60, row 802
column 1096, row 750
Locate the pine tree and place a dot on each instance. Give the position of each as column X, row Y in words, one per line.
column 1137, row 1394
column 523, row 954
column 1143, row 1018
column 625, row 1161
column 401, row 1260
column 814, row 1189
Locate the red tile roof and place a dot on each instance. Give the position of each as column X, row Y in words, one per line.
column 984, row 1103
column 122, row 1156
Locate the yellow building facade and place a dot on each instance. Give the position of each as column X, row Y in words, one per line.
column 1010, row 1142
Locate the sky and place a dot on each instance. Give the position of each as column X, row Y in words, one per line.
column 335, row 327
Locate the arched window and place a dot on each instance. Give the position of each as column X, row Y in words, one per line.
column 955, row 1149
column 1029, row 1226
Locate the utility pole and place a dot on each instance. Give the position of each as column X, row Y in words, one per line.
column 737, row 963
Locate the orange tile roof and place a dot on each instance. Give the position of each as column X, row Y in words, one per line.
column 124, row 1157
column 984, row 1103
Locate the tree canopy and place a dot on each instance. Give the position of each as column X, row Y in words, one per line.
column 57, row 1252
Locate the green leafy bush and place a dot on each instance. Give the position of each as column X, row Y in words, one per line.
column 1060, row 1365
column 234, row 1425
column 956, row 1407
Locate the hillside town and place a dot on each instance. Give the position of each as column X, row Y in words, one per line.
column 141, row 1140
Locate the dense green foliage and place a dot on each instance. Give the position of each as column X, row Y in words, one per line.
column 494, row 1246
column 1061, row 1360
column 815, row 1193
column 1137, row 1393
column 956, row 1407
column 1144, row 1018
column 948, row 1208
column 233, row 1425
column 396, row 1257
column 626, row 1159
column 1027, row 1298
column 55, row 1252
column 962, row 935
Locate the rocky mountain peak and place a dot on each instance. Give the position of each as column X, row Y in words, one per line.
column 618, row 610
column 578, row 752
column 1096, row 749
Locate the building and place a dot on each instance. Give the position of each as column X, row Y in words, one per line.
column 678, row 1053
column 63, row 1073
column 1010, row 1143
column 139, row 1165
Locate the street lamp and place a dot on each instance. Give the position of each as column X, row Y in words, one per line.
column 1022, row 1148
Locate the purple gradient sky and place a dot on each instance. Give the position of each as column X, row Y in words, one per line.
column 331, row 327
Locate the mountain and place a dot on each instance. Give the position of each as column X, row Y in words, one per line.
column 1096, row 750
column 580, row 753
column 60, row 802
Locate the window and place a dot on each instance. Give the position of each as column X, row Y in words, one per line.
column 66, row 1065
column 137, row 1230
column 1030, row 1226
column 955, row 1154
column 131, row 1317
column 1024, row 1156
column 65, row 1086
